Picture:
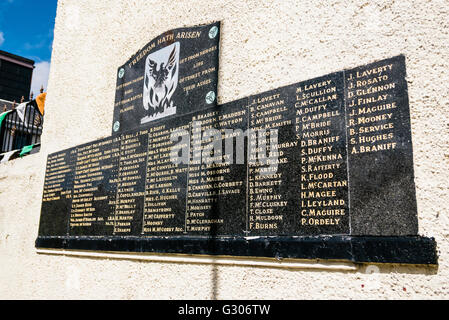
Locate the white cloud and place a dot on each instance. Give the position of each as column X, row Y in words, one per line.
column 40, row 77
column 2, row 38
column 30, row 46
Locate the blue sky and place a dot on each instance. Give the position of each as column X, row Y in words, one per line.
column 26, row 29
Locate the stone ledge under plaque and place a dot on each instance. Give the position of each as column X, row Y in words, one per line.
column 414, row 250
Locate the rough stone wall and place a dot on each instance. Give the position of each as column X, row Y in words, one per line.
column 265, row 45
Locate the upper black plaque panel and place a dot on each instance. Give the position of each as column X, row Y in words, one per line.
column 175, row 74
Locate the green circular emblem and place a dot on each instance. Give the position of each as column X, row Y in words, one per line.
column 116, row 126
column 210, row 97
column 213, row 32
column 121, row 73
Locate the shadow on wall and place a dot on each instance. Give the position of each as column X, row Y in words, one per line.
column 369, row 277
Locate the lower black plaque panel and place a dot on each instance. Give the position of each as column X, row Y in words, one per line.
column 321, row 169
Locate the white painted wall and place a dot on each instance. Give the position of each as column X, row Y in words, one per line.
column 265, row 45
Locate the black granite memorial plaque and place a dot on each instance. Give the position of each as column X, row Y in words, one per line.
column 57, row 195
column 380, row 158
column 166, row 181
column 94, row 188
column 308, row 193
column 217, row 182
column 321, row 169
column 174, row 74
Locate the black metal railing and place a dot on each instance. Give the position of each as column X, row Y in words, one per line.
column 21, row 127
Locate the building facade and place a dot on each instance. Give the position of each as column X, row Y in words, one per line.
column 15, row 76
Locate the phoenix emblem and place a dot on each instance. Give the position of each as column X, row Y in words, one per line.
column 161, row 75
column 161, row 81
